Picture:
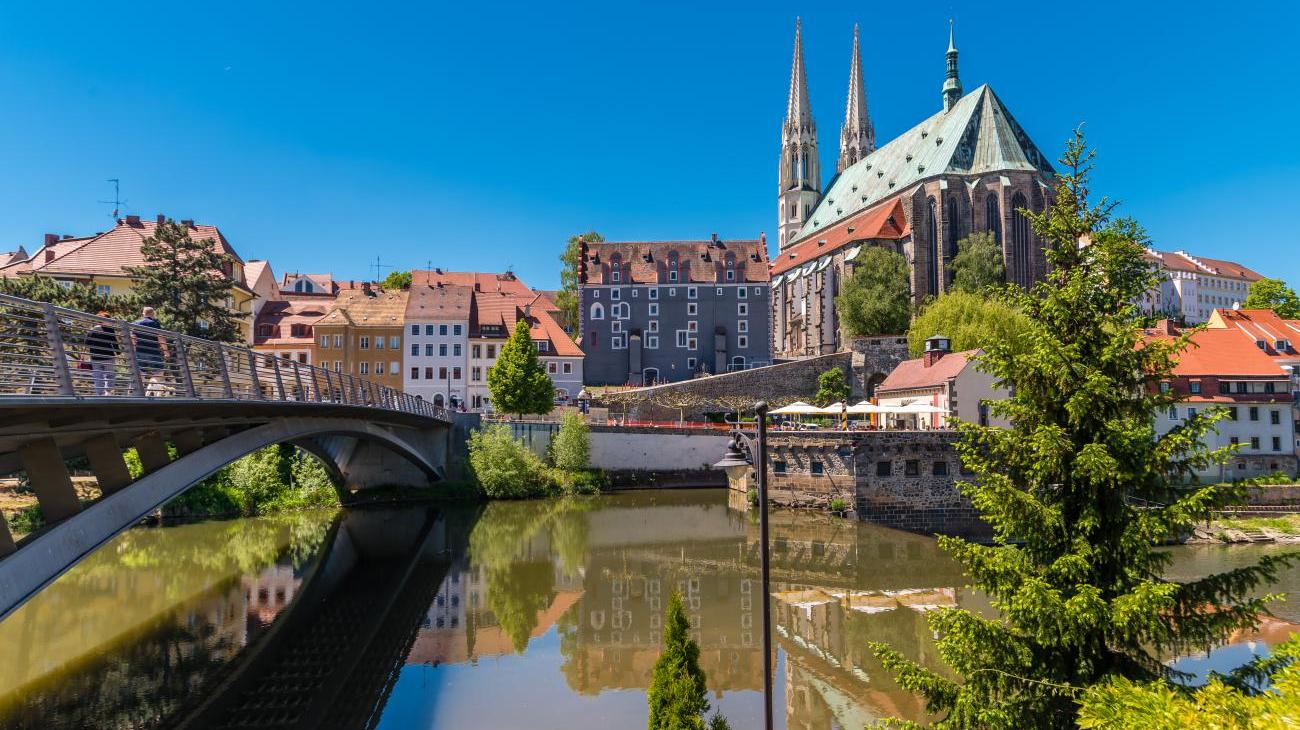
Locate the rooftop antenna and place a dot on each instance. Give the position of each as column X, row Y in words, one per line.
column 379, row 269
column 117, row 201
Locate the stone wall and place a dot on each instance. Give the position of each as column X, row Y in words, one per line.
column 901, row 479
column 677, row 455
column 796, row 380
column 874, row 358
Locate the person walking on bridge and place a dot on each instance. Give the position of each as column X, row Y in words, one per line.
column 101, row 341
column 150, row 349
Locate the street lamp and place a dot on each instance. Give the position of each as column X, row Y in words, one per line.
column 738, row 458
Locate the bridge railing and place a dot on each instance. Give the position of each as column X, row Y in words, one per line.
column 48, row 351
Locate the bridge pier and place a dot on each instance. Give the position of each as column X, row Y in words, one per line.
column 188, row 441
column 153, row 452
column 371, row 465
column 48, row 475
column 105, row 456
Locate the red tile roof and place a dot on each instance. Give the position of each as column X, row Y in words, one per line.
column 282, row 316
column 477, row 281
column 1183, row 261
column 439, row 302
column 913, row 374
column 699, row 262
column 884, row 221
column 1223, row 352
column 1260, row 324
column 110, row 253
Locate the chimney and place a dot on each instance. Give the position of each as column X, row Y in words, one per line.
column 188, row 223
column 935, row 348
column 51, row 239
column 133, row 220
column 49, row 255
column 713, row 238
column 160, row 219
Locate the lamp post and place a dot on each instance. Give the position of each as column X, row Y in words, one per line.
column 738, row 458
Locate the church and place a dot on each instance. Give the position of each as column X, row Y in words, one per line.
column 969, row 167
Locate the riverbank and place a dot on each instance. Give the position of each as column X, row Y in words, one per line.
column 1279, row 528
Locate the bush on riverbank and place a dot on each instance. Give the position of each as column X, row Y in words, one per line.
column 279, row 478
column 505, row 468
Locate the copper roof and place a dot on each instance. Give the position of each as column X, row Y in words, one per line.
column 885, row 221
column 701, row 262
column 913, row 374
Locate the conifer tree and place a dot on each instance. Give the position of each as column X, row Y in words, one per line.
column 1080, row 491
column 188, row 283
column 677, row 694
column 517, row 382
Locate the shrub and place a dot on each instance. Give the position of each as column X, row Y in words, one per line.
column 572, row 445
column 504, row 467
column 839, row 504
column 677, row 692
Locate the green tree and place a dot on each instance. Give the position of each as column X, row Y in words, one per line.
column 572, row 445
column 567, row 298
column 978, row 265
column 518, row 382
column 396, row 280
column 1274, row 294
column 832, row 387
column 877, row 299
column 80, row 296
column 1221, row 704
column 677, row 694
column 1079, row 491
column 188, row 283
column 971, row 321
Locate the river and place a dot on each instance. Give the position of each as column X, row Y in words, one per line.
column 542, row 614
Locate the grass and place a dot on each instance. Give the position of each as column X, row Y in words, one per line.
column 1286, row 524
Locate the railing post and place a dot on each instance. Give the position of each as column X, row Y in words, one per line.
column 315, row 382
column 329, row 385
column 297, row 376
column 279, row 381
column 186, row 376
column 54, row 333
column 133, row 365
column 226, row 387
column 252, row 374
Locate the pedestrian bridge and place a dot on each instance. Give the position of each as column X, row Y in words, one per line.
column 79, row 389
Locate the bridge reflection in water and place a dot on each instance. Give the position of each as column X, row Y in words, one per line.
column 528, row 614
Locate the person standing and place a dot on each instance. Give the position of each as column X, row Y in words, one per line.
column 150, row 349
column 101, row 341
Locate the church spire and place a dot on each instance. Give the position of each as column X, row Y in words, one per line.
column 798, row 112
column 857, row 137
column 951, row 84
column 799, row 176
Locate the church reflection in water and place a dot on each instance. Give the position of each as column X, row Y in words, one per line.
column 599, row 573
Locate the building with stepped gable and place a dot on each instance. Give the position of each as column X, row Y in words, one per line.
column 968, row 167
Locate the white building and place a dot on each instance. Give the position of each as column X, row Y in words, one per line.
column 437, row 343
column 1192, row 287
column 946, row 380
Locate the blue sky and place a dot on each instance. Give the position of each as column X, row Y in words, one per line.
column 480, row 136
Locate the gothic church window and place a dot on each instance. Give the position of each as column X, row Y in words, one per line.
column 932, row 226
column 597, row 311
column 993, row 217
column 1020, row 238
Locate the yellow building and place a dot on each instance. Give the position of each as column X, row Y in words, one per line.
column 362, row 335
column 102, row 260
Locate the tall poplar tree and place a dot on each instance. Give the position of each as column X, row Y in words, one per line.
column 517, row 382
column 1080, row 491
column 188, row 283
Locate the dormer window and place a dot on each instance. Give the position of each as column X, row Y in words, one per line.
column 1283, row 345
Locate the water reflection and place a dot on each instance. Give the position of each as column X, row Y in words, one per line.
column 125, row 636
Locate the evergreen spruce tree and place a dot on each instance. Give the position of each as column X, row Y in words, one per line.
column 517, row 382
column 1079, row 492
column 188, row 283
column 677, row 694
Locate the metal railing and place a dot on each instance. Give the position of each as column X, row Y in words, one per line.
column 51, row 352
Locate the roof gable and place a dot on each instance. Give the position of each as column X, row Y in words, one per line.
column 977, row 136
column 911, row 374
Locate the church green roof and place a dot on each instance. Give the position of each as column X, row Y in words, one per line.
column 977, row 136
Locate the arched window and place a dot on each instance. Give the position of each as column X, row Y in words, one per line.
column 1020, row 239
column 438, row 400
column 650, row 376
column 597, row 310
column 953, row 232
column 738, row 362
column 794, row 167
column 932, row 225
column 304, row 286
column 993, row 217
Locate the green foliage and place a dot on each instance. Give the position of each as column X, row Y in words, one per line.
column 275, row 479
column 970, row 321
column 504, row 467
column 1274, row 294
column 832, row 388
column 677, row 694
column 839, row 504
column 572, row 445
column 26, row 520
column 567, row 298
column 518, row 382
column 877, row 299
column 185, row 281
column 80, row 296
column 1079, row 492
column 978, row 265
column 1219, row 705
column 396, row 280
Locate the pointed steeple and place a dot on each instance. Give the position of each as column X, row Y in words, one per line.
column 798, row 111
column 799, row 176
column 857, row 136
column 951, row 84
